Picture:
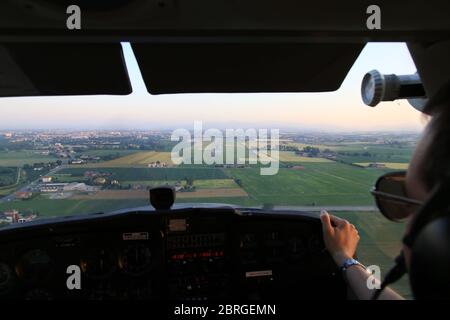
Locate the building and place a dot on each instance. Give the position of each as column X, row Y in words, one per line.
column 12, row 216
column 100, row 180
column 46, row 179
column 23, row 195
column 79, row 186
column 157, row 164
column 52, row 187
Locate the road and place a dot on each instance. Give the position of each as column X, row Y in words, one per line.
column 29, row 186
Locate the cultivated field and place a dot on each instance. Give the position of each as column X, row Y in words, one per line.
column 19, row 158
column 144, row 194
column 376, row 152
column 62, row 178
column 290, row 156
column 316, row 184
column 199, row 184
column 136, row 159
column 215, row 184
column 108, row 152
column 146, row 174
column 388, row 165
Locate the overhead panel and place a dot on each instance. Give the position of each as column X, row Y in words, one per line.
column 48, row 69
column 244, row 67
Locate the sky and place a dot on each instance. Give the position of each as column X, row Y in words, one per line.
column 342, row 110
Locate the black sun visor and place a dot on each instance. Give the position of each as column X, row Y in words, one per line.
column 41, row 69
column 249, row 67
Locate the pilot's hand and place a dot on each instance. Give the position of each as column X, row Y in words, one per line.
column 341, row 237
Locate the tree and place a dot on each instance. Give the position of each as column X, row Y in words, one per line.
column 189, row 181
column 312, row 151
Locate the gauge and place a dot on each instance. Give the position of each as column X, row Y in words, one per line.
column 135, row 259
column 274, row 239
column 6, row 277
column 34, row 266
column 98, row 263
column 248, row 240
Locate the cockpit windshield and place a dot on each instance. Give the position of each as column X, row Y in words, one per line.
column 302, row 151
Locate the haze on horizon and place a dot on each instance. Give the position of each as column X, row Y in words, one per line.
column 340, row 111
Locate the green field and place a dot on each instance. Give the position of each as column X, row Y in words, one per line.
column 11, row 179
column 376, row 158
column 108, row 152
column 317, row 183
column 31, row 175
column 145, row 174
column 62, row 178
column 215, row 184
column 377, row 153
column 19, row 158
column 4, row 191
column 50, row 208
column 199, row 184
column 366, row 152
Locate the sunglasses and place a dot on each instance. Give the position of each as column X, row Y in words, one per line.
column 391, row 197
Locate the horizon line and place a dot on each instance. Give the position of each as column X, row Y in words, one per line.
column 325, row 130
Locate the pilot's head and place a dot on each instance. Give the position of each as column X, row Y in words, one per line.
column 430, row 163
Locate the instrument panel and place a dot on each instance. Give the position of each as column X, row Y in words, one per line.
column 192, row 254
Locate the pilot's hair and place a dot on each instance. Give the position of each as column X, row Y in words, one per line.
column 437, row 164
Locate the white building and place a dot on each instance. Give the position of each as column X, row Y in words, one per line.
column 46, row 179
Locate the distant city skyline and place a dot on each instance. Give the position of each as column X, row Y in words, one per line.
column 341, row 111
column 169, row 130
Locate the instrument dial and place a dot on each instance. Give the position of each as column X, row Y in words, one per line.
column 34, row 266
column 98, row 263
column 6, row 277
column 136, row 259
